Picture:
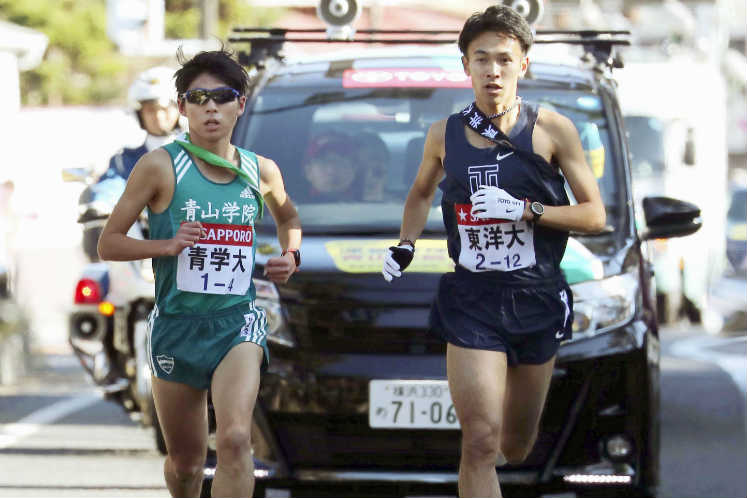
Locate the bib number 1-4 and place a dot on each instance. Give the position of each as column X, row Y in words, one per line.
column 493, row 245
column 220, row 263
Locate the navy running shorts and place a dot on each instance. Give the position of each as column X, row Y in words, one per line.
column 527, row 322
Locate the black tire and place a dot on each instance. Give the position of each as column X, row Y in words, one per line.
column 157, row 431
column 617, row 492
column 207, row 487
column 667, row 310
column 692, row 312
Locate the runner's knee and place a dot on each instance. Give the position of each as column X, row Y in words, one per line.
column 235, row 440
column 185, row 468
column 481, row 440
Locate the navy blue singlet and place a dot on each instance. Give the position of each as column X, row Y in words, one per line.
column 524, row 175
column 507, row 282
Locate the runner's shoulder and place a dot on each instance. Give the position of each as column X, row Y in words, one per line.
column 156, row 163
column 437, row 131
column 552, row 122
column 267, row 167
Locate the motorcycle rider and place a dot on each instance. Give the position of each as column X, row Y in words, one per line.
column 152, row 99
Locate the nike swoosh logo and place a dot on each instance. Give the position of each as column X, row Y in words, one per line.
column 559, row 334
column 503, row 156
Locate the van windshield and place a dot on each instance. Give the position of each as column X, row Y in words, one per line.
column 349, row 155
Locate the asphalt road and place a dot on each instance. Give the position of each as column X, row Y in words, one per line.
column 58, row 437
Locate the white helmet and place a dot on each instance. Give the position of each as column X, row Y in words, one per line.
column 157, row 83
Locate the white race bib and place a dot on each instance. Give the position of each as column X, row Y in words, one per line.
column 494, row 245
column 220, row 263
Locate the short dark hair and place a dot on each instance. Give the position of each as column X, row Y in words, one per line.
column 499, row 18
column 219, row 63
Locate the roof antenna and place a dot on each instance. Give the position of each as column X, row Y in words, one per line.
column 339, row 16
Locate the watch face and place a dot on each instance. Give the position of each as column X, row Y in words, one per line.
column 537, row 208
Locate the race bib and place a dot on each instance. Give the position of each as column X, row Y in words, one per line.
column 493, row 245
column 220, row 263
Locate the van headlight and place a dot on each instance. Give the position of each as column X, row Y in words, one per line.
column 267, row 298
column 602, row 305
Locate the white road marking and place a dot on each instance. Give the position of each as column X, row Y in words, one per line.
column 698, row 348
column 10, row 434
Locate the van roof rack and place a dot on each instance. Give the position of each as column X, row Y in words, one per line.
column 267, row 42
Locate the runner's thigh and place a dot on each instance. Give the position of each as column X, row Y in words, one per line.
column 476, row 382
column 182, row 413
column 235, row 384
column 526, row 391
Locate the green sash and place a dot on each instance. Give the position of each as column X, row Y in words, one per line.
column 216, row 160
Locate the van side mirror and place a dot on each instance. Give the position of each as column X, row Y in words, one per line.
column 689, row 155
column 667, row 217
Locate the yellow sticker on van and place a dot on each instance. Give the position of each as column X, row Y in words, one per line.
column 367, row 256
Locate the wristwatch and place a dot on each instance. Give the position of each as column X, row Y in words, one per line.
column 296, row 256
column 537, row 210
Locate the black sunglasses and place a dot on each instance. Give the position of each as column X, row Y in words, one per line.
column 201, row 96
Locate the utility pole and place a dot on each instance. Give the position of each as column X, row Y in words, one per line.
column 209, row 21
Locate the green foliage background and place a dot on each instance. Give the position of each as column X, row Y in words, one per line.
column 82, row 66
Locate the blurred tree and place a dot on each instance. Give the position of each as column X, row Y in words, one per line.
column 82, row 66
column 183, row 17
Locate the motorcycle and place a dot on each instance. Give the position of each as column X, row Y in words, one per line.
column 111, row 304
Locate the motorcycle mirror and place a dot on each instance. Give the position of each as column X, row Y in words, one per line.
column 82, row 175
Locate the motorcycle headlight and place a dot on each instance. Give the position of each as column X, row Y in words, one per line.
column 267, row 298
column 602, row 305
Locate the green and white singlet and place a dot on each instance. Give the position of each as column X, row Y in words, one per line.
column 216, row 273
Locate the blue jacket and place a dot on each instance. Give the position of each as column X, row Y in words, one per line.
column 111, row 184
column 121, row 163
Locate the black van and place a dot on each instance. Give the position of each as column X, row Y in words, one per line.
column 355, row 400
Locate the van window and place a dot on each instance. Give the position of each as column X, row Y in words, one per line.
column 349, row 155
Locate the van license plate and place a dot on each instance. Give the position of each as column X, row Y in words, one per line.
column 410, row 404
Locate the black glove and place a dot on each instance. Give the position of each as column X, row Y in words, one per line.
column 397, row 259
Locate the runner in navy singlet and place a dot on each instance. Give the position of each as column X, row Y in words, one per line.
column 501, row 164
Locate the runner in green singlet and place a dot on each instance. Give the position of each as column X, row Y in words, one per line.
column 203, row 195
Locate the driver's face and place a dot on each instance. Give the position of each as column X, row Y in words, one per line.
column 330, row 172
column 159, row 119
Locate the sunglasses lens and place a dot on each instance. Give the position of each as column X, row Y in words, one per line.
column 223, row 95
column 200, row 96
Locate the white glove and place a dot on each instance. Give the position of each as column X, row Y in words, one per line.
column 494, row 202
column 396, row 260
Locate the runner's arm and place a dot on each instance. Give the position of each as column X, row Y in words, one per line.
column 423, row 188
column 145, row 184
column 588, row 215
column 279, row 269
column 280, row 205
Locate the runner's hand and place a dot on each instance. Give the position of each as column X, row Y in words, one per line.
column 280, row 268
column 396, row 260
column 496, row 203
column 186, row 236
